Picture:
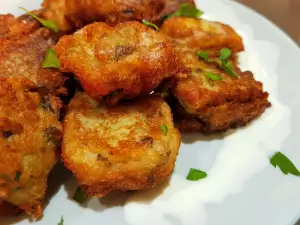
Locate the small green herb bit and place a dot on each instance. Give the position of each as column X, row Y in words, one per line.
column 51, row 60
column 203, row 55
column 147, row 23
column 61, row 222
column 285, row 165
column 187, row 10
column 228, row 68
column 225, row 54
column 213, row 76
column 195, row 175
column 80, row 195
column 164, row 129
column 18, row 176
column 51, row 24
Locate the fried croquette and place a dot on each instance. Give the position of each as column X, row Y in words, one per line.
column 123, row 61
column 131, row 146
column 30, row 135
column 232, row 99
column 199, row 34
column 71, row 14
column 23, row 49
column 216, row 105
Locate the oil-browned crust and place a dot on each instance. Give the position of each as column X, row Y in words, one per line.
column 203, row 104
column 121, row 147
column 199, row 34
column 130, row 58
column 71, row 14
column 23, row 48
column 30, row 136
column 8, row 210
column 217, row 105
column 11, row 26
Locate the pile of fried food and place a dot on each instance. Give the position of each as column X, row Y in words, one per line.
column 100, row 82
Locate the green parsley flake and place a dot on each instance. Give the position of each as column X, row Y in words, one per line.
column 51, row 60
column 80, row 195
column 195, row 175
column 228, row 68
column 285, row 165
column 203, row 55
column 164, row 129
column 51, row 24
column 186, row 10
column 225, row 54
column 18, row 176
column 147, row 23
column 213, row 76
column 61, row 222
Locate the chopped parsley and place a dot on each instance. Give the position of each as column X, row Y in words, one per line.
column 164, row 129
column 51, row 60
column 80, row 195
column 213, row 76
column 285, row 165
column 225, row 54
column 51, row 24
column 228, row 68
column 223, row 61
column 18, row 176
column 147, row 23
column 203, row 55
column 61, row 222
column 185, row 10
column 195, row 175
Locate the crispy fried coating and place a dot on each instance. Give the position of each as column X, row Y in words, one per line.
column 211, row 106
column 30, row 136
column 23, row 48
column 11, row 26
column 120, row 147
column 199, row 34
column 130, row 59
column 71, row 14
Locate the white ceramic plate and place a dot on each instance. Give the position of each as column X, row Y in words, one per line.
column 242, row 188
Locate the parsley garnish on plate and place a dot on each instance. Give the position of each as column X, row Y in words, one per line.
column 51, row 60
column 18, row 176
column 51, row 24
column 80, row 195
column 61, row 222
column 285, row 165
column 147, row 23
column 164, row 129
column 185, row 10
column 195, row 175
column 213, row 76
